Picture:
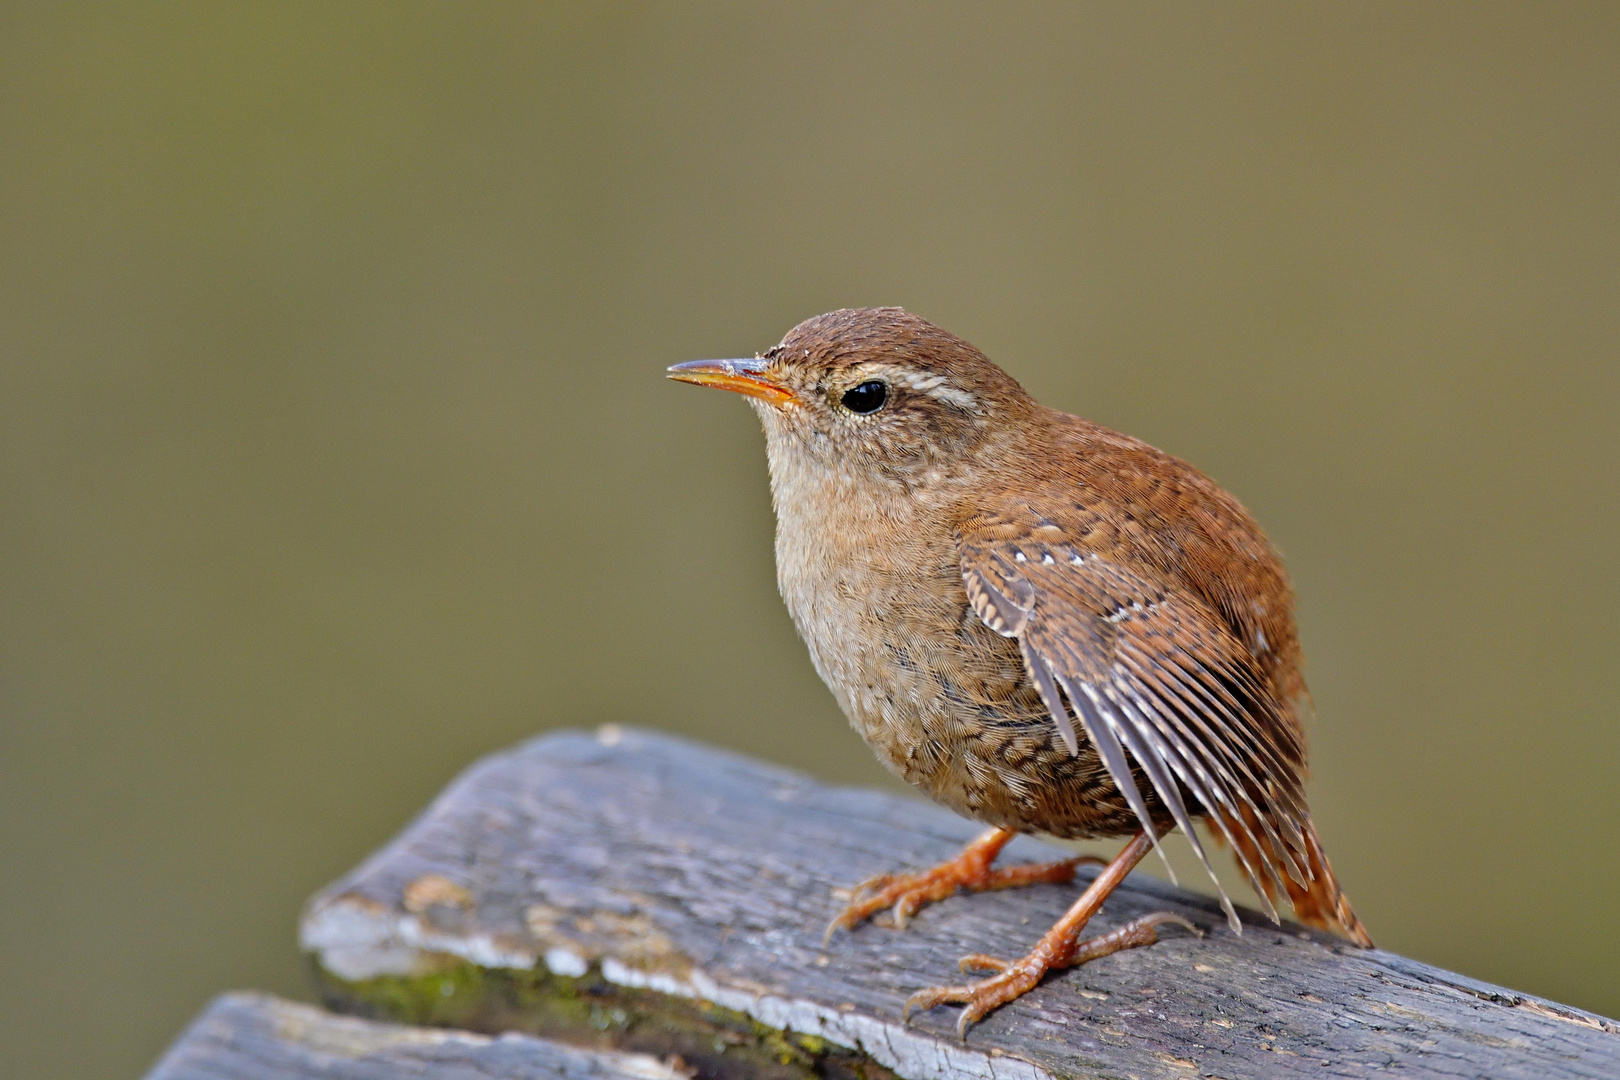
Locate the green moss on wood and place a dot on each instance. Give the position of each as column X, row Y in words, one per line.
column 719, row 1043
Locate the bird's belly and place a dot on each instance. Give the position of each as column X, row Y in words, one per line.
column 945, row 704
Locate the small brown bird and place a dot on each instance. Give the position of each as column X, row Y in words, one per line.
column 1045, row 625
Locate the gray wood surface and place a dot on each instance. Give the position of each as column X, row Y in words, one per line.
column 258, row 1037
column 634, row 890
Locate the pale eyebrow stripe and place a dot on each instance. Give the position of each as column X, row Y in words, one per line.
column 936, row 387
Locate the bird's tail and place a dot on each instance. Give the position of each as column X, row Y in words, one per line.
column 1319, row 902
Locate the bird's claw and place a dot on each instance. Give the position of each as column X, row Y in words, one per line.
column 1012, row 980
column 906, row 894
column 902, row 894
column 981, row 962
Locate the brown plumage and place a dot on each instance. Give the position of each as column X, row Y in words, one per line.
column 1045, row 625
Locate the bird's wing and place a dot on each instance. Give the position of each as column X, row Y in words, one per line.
column 1153, row 674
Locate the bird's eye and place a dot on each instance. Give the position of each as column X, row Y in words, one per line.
column 868, row 397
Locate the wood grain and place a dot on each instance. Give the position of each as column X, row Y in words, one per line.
column 258, row 1037
column 631, row 890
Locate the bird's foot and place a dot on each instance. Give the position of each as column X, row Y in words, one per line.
column 1054, row 951
column 906, row 894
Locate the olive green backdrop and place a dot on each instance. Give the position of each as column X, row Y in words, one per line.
column 336, row 450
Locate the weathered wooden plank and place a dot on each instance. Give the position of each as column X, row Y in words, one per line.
column 634, row 890
column 258, row 1037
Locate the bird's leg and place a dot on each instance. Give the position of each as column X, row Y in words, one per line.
column 971, row 870
column 1061, row 947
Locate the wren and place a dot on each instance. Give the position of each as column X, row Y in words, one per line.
column 1045, row 625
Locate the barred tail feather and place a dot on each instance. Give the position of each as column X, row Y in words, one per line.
column 1318, row 902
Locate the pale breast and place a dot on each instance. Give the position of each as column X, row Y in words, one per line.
column 875, row 617
column 943, row 701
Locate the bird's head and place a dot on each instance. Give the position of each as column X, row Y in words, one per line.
column 871, row 393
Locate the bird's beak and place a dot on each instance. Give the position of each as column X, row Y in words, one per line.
column 741, row 376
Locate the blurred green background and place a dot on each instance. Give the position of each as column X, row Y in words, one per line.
column 337, row 452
